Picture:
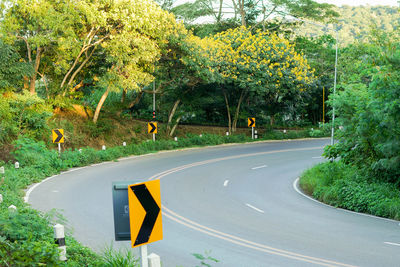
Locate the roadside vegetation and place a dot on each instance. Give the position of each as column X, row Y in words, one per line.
column 91, row 68
column 365, row 173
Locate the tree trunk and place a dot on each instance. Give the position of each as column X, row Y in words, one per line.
column 123, row 96
column 235, row 8
column 137, row 99
column 81, row 66
column 272, row 122
column 219, row 16
column 176, row 125
column 171, row 115
column 26, row 82
column 242, row 12
column 228, row 111
column 36, row 68
column 99, row 105
column 237, row 111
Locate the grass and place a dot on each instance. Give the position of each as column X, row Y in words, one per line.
column 344, row 186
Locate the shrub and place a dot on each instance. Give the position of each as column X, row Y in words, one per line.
column 342, row 185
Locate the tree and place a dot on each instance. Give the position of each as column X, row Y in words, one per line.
column 259, row 63
column 251, row 12
column 368, row 108
column 33, row 26
column 320, row 54
column 69, row 35
column 181, row 69
column 12, row 70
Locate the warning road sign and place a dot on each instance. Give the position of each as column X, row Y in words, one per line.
column 58, row 135
column 145, row 212
column 251, row 122
column 152, row 127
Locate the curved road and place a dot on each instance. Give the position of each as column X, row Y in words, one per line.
column 238, row 202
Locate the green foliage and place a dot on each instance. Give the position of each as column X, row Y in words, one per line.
column 26, row 239
column 369, row 111
column 205, row 259
column 78, row 255
column 344, row 186
column 354, row 22
column 117, row 258
column 23, row 114
column 12, row 70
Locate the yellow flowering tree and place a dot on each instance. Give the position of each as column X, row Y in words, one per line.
column 260, row 63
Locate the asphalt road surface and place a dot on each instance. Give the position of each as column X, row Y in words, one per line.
column 237, row 203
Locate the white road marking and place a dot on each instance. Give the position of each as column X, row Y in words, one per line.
column 226, row 182
column 55, row 191
column 254, row 208
column 317, row 157
column 390, row 243
column 259, row 167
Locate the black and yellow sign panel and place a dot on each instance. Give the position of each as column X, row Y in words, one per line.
column 58, row 135
column 251, row 122
column 152, row 127
column 145, row 212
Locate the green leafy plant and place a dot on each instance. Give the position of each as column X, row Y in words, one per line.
column 205, row 259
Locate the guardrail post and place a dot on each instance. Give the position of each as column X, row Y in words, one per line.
column 59, row 238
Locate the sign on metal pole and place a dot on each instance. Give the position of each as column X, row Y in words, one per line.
column 58, row 135
column 152, row 127
column 251, row 122
column 145, row 212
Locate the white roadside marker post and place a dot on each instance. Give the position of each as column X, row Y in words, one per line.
column 16, row 165
column 154, row 260
column 59, row 238
column 103, row 147
column 176, row 138
column 1, row 198
column 124, row 144
column 12, row 209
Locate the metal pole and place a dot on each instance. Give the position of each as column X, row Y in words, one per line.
column 323, row 104
column 334, row 92
column 59, row 149
column 143, row 254
column 154, row 100
column 252, row 132
column 154, row 106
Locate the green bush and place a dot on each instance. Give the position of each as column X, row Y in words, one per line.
column 344, row 186
column 23, row 114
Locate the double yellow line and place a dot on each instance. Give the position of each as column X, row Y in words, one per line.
column 234, row 239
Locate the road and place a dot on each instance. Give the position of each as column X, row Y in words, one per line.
column 238, row 203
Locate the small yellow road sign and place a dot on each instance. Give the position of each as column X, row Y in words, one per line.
column 251, row 122
column 152, row 127
column 145, row 212
column 58, row 135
